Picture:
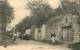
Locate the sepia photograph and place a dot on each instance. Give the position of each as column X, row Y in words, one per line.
column 39, row 24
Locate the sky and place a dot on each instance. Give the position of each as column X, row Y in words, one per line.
column 20, row 11
column 54, row 4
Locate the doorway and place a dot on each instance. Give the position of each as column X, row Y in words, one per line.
column 67, row 34
column 39, row 34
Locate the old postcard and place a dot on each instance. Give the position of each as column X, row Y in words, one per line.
column 39, row 24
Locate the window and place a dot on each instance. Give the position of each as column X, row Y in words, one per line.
column 66, row 19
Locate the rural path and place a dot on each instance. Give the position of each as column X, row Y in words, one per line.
column 34, row 45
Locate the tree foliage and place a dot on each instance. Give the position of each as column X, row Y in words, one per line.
column 6, row 12
column 23, row 25
column 67, row 7
column 6, row 15
column 40, row 11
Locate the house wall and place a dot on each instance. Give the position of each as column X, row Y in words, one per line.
column 76, row 28
column 43, row 32
column 36, row 33
column 32, row 33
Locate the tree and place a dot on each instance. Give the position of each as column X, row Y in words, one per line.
column 67, row 7
column 23, row 25
column 40, row 11
column 6, row 13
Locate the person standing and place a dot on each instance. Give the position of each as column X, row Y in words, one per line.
column 14, row 36
column 20, row 36
column 53, row 37
column 11, row 35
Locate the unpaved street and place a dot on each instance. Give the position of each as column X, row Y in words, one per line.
column 34, row 45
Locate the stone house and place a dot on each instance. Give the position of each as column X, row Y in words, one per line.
column 65, row 27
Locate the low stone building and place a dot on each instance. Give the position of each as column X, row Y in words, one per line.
column 65, row 27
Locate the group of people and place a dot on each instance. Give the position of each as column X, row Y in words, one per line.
column 13, row 36
column 19, row 36
column 26, row 37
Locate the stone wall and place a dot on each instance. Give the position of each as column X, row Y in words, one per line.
column 76, row 28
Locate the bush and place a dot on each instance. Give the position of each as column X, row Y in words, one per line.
column 74, row 46
column 6, row 40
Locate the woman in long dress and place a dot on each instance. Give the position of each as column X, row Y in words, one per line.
column 53, row 37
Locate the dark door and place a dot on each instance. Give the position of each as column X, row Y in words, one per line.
column 70, row 34
column 65, row 34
